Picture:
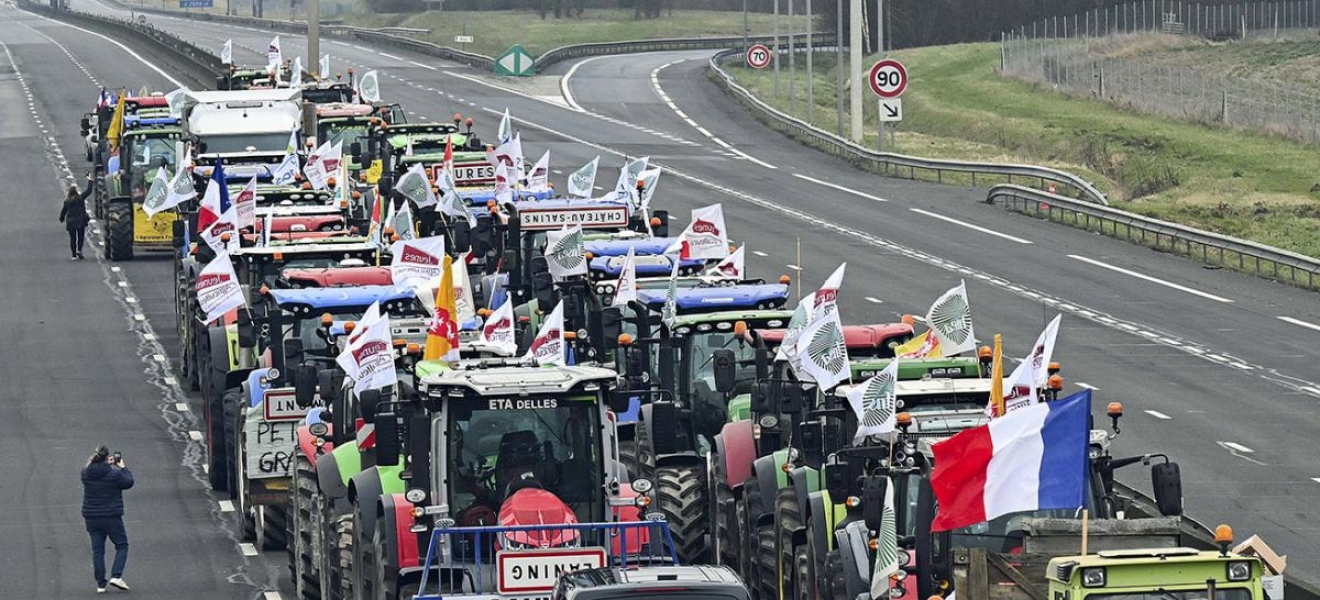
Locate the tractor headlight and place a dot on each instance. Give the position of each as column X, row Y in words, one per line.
column 415, row 495
column 768, row 421
column 642, row 485
column 1239, row 570
column 1093, row 577
column 904, row 558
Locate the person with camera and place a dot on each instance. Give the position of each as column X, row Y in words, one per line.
column 104, row 480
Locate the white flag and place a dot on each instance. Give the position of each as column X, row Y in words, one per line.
column 403, row 223
column 950, row 317
column 627, row 285
column 315, row 175
column 325, row 66
column 1043, row 352
column 582, row 183
column 510, row 154
column 369, row 87
column 296, row 73
column 796, row 323
column 1019, row 389
column 886, row 551
column 497, row 332
column 827, row 296
column 565, row 252
column 875, row 404
column 626, row 186
column 181, row 189
column 503, row 192
column 549, row 347
column 417, row 260
column 705, row 237
column 538, row 178
column 245, row 204
column 368, row 355
column 451, row 202
column 822, row 353
column 732, row 266
column 669, row 312
column 267, row 228
column 273, row 56
column 175, row 101
column 218, row 290
column 649, row 179
column 227, row 53
column 416, row 186
column 287, row 171
column 463, row 301
column 157, row 195
column 506, row 128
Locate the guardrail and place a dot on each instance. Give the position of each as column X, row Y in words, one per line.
column 1208, row 247
column 195, row 64
column 885, row 162
column 661, row 45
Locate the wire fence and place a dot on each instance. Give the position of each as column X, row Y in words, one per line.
column 1075, row 55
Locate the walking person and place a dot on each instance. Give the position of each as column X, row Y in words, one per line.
column 104, row 480
column 74, row 216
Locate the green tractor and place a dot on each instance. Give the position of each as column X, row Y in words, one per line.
column 147, row 144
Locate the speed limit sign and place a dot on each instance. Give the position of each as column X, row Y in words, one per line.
column 758, row 56
column 888, row 78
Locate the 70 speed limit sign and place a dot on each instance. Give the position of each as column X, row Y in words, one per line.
column 758, row 56
column 888, row 78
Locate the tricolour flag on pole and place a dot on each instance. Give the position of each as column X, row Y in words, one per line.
column 950, row 317
column 705, row 237
column 581, row 184
column 549, row 347
column 216, row 215
column 218, row 290
column 1031, row 459
column 875, row 404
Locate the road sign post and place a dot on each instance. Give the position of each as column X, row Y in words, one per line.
column 888, row 79
column 758, row 56
column 515, row 62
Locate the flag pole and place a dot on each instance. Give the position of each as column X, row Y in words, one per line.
column 1086, row 525
column 997, row 377
column 799, row 264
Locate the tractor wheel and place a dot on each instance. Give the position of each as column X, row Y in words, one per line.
column 364, row 566
column 344, row 532
column 274, row 527
column 233, row 430
column 833, row 587
column 628, row 458
column 767, row 580
column 408, row 591
column 326, row 553
column 804, row 582
column 788, row 518
column 119, row 231
column 748, row 552
column 303, row 531
column 384, row 579
column 681, row 495
column 216, row 443
column 816, row 587
column 727, row 523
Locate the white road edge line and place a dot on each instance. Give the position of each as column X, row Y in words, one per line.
column 566, row 87
column 1155, row 280
column 655, row 85
column 1238, row 447
column 1087, row 386
column 226, row 506
column 389, row 55
column 158, row 70
column 1300, row 323
column 247, row 549
column 1158, row 415
column 932, row 215
column 839, row 187
column 413, row 62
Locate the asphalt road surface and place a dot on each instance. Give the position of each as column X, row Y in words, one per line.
column 1216, row 369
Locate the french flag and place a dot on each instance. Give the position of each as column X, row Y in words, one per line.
column 1031, row 459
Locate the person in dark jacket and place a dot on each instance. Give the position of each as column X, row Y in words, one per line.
column 74, row 216
column 104, row 480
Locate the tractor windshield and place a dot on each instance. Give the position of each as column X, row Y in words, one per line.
column 1220, row 594
column 498, row 442
column 152, row 152
column 345, row 133
column 702, row 347
column 327, row 95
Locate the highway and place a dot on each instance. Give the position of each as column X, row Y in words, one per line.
column 1215, row 368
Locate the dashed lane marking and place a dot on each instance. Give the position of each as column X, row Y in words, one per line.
column 873, row 300
column 247, row 549
column 1300, row 323
column 181, row 406
column 839, row 187
column 1155, row 280
column 1158, row 415
column 195, row 435
column 226, row 506
column 1087, row 386
column 932, row 215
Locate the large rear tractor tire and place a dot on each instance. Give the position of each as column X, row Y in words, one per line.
column 788, row 518
column 724, row 511
column 233, row 429
column 217, row 471
column 628, row 458
column 274, row 527
column 767, row 581
column 364, row 563
column 119, row 231
column 344, row 532
column 303, row 531
column 803, row 576
column 832, row 585
column 681, row 495
column 748, row 552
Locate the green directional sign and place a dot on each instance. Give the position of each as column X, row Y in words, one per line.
column 515, row 62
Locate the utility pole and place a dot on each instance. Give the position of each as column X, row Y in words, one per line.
column 811, row 96
column 792, row 63
column 314, row 38
column 838, row 71
column 746, row 29
column 855, row 63
column 880, row 47
column 776, row 50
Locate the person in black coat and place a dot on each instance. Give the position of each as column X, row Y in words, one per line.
column 104, row 480
column 74, row 216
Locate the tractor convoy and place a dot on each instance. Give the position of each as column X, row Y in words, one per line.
column 427, row 372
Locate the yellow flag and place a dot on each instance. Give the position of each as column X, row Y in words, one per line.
column 372, row 174
column 922, row 346
column 442, row 336
column 117, row 122
column 997, row 378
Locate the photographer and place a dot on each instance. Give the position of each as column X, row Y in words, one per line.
column 104, row 480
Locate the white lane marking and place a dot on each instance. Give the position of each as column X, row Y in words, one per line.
column 226, row 506
column 544, row 99
column 389, row 56
column 932, row 215
column 755, row 160
column 181, row 406
column 1238, row 447
column 247, row 549
column 114, row 269
column 566, row 88
column 413, row 62
column 1168, row 284
column 1300, row 323
column 1158, row 415
column 152, row 336
column 195, row 435
column 756, row 252
column 874, row 300
column 1087, row 386
column 144, row 61
column 273, row 596
column 794, row 267
column 360, row 48
column 839, row 187
column 1316, row 479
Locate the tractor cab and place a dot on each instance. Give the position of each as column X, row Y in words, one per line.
column 146, row 145
column 327, row 91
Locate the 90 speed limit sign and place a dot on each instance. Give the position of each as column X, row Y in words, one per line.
column 888, row 78
column 758, row 56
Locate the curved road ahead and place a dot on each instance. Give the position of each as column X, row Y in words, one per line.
column 1215, row 368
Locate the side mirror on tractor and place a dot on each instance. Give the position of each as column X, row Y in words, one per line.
column 388, row 439
column 836, row 479
column 304, row 385
column 368, row 400
column 85, row 125
column 247, row 333
column 355, row 149
column 178, row 230
column 873, row 501
column 1166, row 482
column 726, row 370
